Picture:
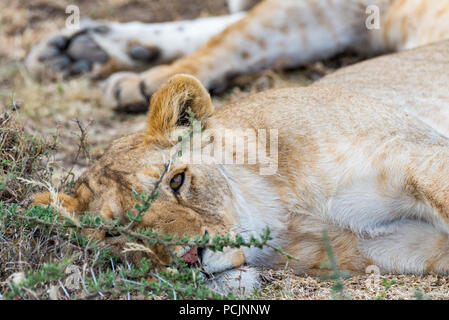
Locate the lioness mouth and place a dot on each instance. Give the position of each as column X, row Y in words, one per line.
column 192, row 257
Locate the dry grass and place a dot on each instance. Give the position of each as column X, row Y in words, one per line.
column 22, row 156
column 284, row 285
column 51, row 110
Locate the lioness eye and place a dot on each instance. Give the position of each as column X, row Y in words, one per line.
column 177, row 181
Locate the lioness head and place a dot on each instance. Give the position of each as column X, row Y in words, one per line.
column 194, row 198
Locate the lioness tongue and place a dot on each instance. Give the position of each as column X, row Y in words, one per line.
column 191, row 256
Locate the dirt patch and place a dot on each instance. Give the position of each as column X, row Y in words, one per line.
column 286, row 286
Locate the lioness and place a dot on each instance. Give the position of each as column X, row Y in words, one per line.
column 362, row 154
column 273, row 34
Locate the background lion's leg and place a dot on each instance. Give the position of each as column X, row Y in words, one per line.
column 274, row 34
column 241, row 5
column 103, row 47
column 410, row 24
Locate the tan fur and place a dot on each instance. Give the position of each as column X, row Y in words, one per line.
column 352, row 161
column 72, row 205
column 171, row 101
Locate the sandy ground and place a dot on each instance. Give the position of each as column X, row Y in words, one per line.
column 52, row 109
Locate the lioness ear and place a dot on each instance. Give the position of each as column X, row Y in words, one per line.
column 72, row 205
column 169, row 105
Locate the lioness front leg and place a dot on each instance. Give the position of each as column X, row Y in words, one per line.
column 103, row 47
column 428, row 176
column 413, row 234
column 273, row 34
column 411, row 246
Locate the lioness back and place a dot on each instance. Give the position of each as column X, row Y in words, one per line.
column 415, row 81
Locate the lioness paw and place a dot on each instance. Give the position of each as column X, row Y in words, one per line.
column 130, row 92
column 96, row 48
